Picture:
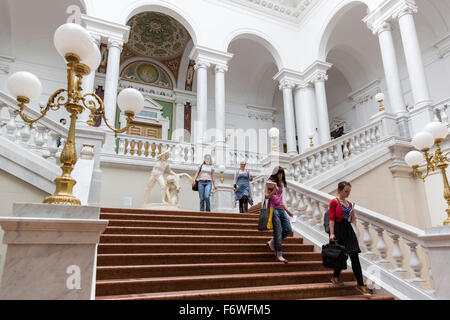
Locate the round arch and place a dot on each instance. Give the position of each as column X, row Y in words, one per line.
column 258, row 37
column 333, row 19
column 165, row 8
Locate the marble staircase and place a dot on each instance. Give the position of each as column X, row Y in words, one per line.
column 161, row 255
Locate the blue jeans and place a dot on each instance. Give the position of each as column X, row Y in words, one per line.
column 204, row 191
column 281, row 229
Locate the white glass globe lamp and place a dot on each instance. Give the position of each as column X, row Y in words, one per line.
column 423, row 141
column 73, row 38
column 24, row 84
column 439, row 130
column 130, row 101
column 274, row 132
column 93, row 61
column 414, row 158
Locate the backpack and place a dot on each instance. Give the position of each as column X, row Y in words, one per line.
column 326, row 221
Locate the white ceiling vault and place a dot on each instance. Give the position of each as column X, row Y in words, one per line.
column 293, row 9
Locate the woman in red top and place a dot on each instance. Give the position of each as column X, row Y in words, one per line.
column 341, row 231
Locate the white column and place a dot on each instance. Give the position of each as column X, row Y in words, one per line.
column 322, row 108
column 413, row 55
column 202, row 99
column 88, row 87
column 112, row 80
column 179, row 121
column 220, row 102
column 389, row 57
column 289, row 119
column 305, row 110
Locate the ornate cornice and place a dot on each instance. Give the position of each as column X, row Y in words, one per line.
column 212, row 57
column 293, row 10
column 286, row 84
column 261, row 113
column 379, row 28
column 387, row 12
column 443, row 46
column 408, row 7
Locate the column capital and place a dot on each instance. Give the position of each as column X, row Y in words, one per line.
column 380, row 28
column 220, row 68
column 286, row 84
column 407, row 7
column 201, row 64
column 115, row 43
column 320, row 77
column 304, row 85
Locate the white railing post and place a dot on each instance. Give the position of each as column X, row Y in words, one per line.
column 415, row 264
column 397, row 255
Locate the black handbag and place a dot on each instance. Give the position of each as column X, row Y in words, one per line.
column 334, row 256
column 264, row 217
column 326, row 221
column 195, row 186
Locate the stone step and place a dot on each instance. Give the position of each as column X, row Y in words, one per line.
column 177, row 270
column 195, row 248
column 161, row 217
column 286, row 292
column 179, row 213
column 133, row 238
column 182, row 224
column 184, row 231
column 190, row 258
column 187, row 283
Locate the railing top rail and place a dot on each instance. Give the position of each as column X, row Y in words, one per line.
column 335, row 142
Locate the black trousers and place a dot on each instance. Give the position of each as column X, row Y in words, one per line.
column 356, row 266
column 243, row 204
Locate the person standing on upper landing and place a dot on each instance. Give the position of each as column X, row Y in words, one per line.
column 337, row 132
column 241, row 187
column 206, row 181
column 280, row 220
column 341, row 231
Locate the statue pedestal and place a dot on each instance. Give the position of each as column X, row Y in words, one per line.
column 51, row 252
column 223, row 199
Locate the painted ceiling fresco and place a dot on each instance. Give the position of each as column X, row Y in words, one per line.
column 157, row 36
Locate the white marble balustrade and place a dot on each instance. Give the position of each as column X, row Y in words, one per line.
column 393, row 249
column 40, row 139
column 318, row 160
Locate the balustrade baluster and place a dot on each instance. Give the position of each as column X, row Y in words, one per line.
column 415, row 264
column 294, row 201
column 303, row 171
column 25, row 135
column 397, row 255
column 39, row 139
column 317, row 215
column 330, row 152
column 297, row 174
column 356, row 146
column 11, row 126
column 324, row 162
column 381, row 247
column 373, row 138
column 351, row 148
column 309, row 211
column 51, row 145
column 368, row 142
column 362, row 142
column 121, row 148
column 368, row 241
column 345, row 150
column 316, row 164
column 301, row 207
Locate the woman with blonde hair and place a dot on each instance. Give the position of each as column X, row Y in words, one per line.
column 206, row 181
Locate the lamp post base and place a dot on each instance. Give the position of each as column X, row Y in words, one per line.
column 63, row 194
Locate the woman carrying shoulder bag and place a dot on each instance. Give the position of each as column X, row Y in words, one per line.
column 280, row 220
column 242, row 189
column 341, row 231
column 204, row 178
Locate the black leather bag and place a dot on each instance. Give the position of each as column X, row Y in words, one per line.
column 195, row 186
column 264, row 217
column 334, row 256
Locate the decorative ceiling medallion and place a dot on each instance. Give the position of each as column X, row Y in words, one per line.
column 158, row 36
column 147, row 73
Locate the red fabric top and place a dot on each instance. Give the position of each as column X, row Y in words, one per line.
column 335, row 209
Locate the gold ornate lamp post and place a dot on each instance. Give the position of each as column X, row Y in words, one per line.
column 380, row 98
column 434, row 134
column 75, row 44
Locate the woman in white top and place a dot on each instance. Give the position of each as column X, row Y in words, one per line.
column 206, row 180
